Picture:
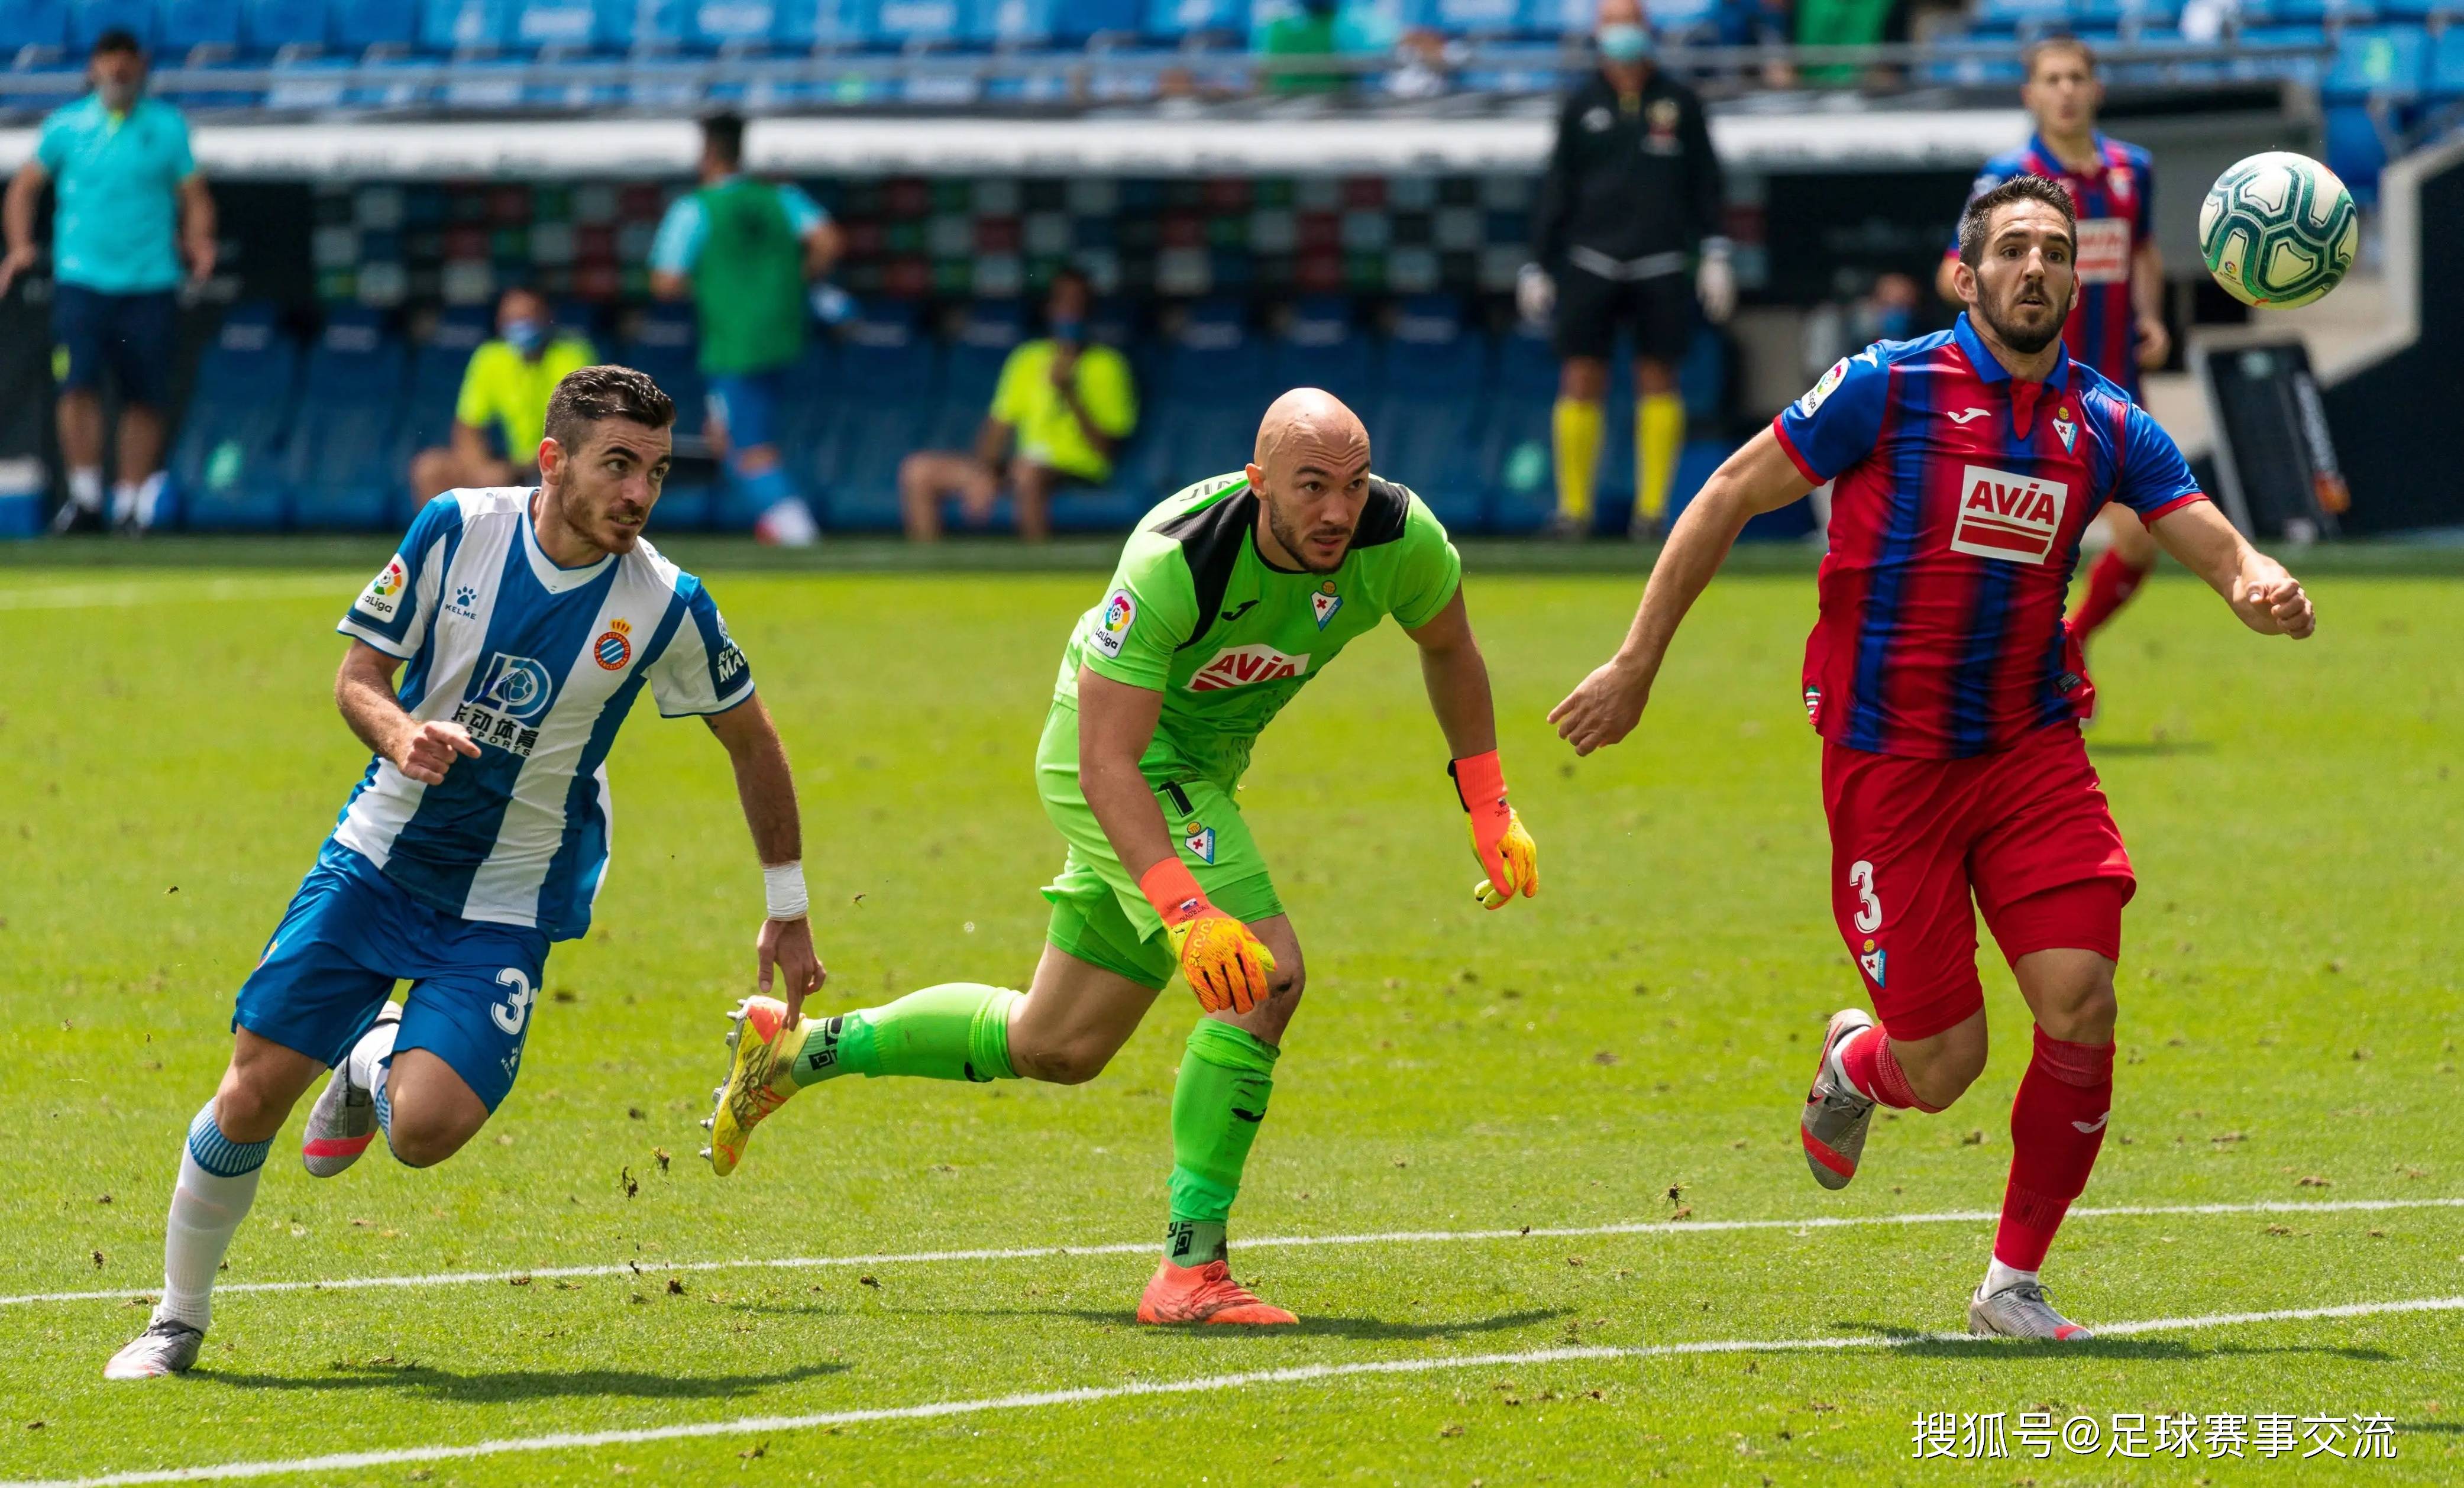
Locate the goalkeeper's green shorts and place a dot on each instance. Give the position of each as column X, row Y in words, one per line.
column 1099, row 914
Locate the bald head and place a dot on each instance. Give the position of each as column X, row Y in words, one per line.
column 1311, row 477
column 1315, row 419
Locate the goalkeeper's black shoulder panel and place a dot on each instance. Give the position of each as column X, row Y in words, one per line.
column 1211, row 538
column 1383, row 518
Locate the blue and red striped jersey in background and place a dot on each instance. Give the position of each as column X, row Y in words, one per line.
column 2116, row 214
column 1958, row 498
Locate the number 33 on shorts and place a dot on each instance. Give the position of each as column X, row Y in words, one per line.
column 1867, row 920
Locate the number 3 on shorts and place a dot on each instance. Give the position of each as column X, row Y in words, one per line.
column 1869, row 910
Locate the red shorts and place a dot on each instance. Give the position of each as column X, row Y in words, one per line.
column 1911, row 840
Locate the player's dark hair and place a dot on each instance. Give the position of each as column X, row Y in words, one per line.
column 586, row 395
column 722, row 137
column 118, row 41
column 1978, row 220
column 2044, row 46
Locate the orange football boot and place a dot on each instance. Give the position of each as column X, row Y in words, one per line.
column 1204, row 1294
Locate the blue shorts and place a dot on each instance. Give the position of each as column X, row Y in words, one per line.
column 745, row 406
column 134, row 337
column 351, row 933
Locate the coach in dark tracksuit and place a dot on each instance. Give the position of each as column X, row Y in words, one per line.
column 1631, row 200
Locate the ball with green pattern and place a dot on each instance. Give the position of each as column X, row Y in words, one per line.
column 2278, row 231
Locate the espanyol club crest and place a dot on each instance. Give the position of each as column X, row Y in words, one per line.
column 613, row 649
column 1198, row 842
column 2066, row 428
column 1871, row 958
column 1325, row 603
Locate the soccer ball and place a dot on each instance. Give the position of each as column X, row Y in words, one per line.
column 2278, row 231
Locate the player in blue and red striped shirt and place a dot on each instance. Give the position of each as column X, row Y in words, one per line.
column 1964, row 466
column 2116, row 324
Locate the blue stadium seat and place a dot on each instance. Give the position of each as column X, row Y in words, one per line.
column 738, row 24
column 644, row 25
column 187, row 25
column 224, row 471
column 1691, row 18
column 2446, row 64
column 1320, row 347
column 2291, row 69
column 833, row 25
column 1468, row 17
column 339, row 466
column 803, row 429
column 664, row 345
column 1013, row 22
column 2316, row 11
column 437, row 367
column 267, row 26
column 1703, row 376
column 1695, row 463
column 1172, row 20
column 884, row 352
column 972, row 366
column 1427, row 429
column 1206, row 394
column 555, row 24
column 919, row 23
column 2356, row 150
column 89, row 19
column 358, row 24
column 2022, row 14
column 2387, row 62
column 39, row 27
column 1514, row 462
column 1081, row 20
column 465, row 25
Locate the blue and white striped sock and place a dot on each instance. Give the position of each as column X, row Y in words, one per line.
column 216, row 1186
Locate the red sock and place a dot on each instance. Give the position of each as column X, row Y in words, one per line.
column 2110, row 583
column 1875, row 1071
column 2057, row 1127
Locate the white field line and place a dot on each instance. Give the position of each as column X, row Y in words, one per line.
column 1140, row 1247
column 127, row 594
column 350, row 1462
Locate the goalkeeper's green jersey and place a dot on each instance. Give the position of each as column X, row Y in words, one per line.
column 1198, row 614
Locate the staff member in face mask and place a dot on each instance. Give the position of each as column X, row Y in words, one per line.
column 128, row 186
column 1632, row 201
column 505, row 391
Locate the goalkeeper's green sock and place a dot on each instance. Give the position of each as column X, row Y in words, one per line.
column 1227, row 1076
column 955, row 1031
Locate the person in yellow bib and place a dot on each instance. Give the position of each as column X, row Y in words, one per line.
column 504, row 391
column 1061, row 409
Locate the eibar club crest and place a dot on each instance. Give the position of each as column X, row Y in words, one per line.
column 1872, row 959
column 2067, row 427
column 1325, row 603
column 1199, row 840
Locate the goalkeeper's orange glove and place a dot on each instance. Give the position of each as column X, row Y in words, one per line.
column 1497, row 835
column 1225, row 964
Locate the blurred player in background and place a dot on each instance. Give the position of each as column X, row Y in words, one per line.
column 2118, row 324
column 1062, row 407
column 531, row 619
column 1228, row 598
column 1966, row 465
column 1632, row 195
column 505, row 391
column 131, row 205
column 744, row 253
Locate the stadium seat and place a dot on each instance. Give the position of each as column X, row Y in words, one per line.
column 339, row 467
column 884, row 352
column 972, row 366
column 645, row 26
column 1467, row 17
column 190, row 26
column 89, row 19
column 2356, row 149
column 465, row 25
column 363, row 24
column 1203, row 402
column 664, row 345
column 739, row 25
column 1426, row 429
column 271, row 26
column 2386, row 62
column 1514, row 462
column 2284, row 65
column 804, row 429
column 2446, row 64
column 919, row 23
column 1320, row 347
column 1022, row 24
column 555, row 24
column 1080, row 21
column 436, row 383
column 224, row 469
column 30, row 30
column 1178, row 20
column 826, row 25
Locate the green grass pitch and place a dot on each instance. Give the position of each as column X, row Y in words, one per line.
column 169, row 759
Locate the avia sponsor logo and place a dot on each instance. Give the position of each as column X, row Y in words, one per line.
column 2006, row 516
column 2104, row 250
column 1245, row 665
column 613, row 649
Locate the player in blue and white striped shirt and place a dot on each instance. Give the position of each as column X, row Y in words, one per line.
column 526, row 622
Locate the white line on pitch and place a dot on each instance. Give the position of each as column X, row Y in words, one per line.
column 347, row 1461
column 1136, row 1247
column 131, row 593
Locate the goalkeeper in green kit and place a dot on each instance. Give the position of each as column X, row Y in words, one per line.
column 1228, row 598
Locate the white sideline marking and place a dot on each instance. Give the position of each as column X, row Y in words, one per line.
column 346, row 1461
column 1140, row 1247
column 128, row 595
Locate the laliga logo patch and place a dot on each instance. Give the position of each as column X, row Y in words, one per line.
column 1822, row 389
column 1199, row 841
column 2065, row 428
column 1326, row 602
column 1113, row 621
column 1872, row 959
column 384, row 594
column 615, row 649
column 2007, row 516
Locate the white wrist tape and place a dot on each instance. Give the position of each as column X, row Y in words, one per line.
column 783, row 887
